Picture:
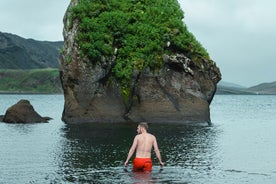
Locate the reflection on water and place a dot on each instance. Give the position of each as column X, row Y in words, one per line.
column 97, row 152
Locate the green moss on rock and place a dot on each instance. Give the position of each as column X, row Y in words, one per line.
column 137, row 32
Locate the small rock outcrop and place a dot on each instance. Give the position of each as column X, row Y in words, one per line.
column 180, row 90
column 23, row 112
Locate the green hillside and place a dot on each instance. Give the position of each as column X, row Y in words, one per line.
column 30, row 81
column 20, row 53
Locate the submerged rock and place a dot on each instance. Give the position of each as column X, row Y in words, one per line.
column 178, row 91
column 23, row 112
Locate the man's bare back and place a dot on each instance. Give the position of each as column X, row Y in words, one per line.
column 143, row 143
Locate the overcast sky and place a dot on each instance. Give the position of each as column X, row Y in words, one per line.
column 240, row 35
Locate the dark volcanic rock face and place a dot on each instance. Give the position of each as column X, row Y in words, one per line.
column 169, row 97
column 178, row 92
column 23, row 112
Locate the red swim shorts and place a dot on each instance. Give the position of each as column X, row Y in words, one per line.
column 142, row 164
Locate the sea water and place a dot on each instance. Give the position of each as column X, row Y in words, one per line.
column 238, row 147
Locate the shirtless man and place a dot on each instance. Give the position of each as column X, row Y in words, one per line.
column 143, row 143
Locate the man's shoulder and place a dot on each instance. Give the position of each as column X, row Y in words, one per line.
column 147, row 134
column 151, row 135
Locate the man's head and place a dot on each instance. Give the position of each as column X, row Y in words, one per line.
column 143, row 126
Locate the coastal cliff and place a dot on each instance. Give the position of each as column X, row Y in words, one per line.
column 133, row 61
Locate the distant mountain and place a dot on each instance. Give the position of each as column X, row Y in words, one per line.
column 231, row 88
column 264, row 88
column 20, row 53
column 230, row 85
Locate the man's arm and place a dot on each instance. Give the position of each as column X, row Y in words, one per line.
column 131, row 150
column 157, row 152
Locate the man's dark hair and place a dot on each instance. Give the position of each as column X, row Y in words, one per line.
column 145, row 125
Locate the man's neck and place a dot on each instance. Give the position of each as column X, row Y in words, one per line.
column 144, row 132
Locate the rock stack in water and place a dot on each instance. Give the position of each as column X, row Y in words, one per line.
column 178, row 89
column 23, row 112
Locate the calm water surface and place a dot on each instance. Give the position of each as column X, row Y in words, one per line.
column 239, row 146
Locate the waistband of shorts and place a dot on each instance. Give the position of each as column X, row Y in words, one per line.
column 138, row 158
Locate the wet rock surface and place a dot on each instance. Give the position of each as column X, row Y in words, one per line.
column 23, row 112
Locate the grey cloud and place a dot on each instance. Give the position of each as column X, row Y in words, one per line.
column 37, row 19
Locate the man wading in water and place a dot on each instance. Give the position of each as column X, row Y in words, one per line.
column 143, row 143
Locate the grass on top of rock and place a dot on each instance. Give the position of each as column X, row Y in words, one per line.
column 140, row 31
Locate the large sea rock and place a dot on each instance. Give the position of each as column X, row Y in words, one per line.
column 179, row 92
column 23, row 112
